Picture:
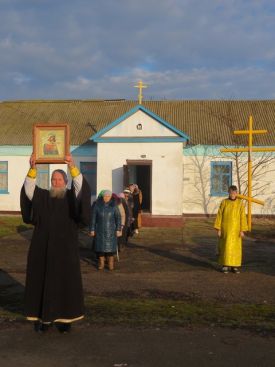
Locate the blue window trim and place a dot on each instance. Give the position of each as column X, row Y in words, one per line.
column 5, row 191
column 220, row 163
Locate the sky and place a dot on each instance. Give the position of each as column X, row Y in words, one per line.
column 99, row 49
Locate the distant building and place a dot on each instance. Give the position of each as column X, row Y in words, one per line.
column 171, row 149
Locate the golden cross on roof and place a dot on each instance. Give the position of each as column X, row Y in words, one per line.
column 249, row 149
column 140, row 86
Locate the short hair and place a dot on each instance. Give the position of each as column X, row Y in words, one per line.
column 232, row 188
column 63, row 173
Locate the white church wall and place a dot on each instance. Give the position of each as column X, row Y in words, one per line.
column 166, row 171
column 149, row 127
column 197, row 180
column 18, row 167
column 196, row 186
column 180, row 183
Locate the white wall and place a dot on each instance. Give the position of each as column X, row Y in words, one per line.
column 18, row 167
column 181, row 184
column 150, row 127
column 17, row 170
column 166, row 171
column 196, row 185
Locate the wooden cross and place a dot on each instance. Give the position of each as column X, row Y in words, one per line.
column 140, row 86
column 249, row 149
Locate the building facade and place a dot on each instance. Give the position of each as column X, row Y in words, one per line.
column 171, row 149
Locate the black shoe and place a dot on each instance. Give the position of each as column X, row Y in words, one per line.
column 235, row 270
column 41, row 327
column 63, row 327
column 225, row 269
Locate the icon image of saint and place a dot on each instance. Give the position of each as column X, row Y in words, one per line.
column 50, row 147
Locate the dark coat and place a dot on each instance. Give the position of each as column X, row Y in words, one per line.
column 136, row 204
column 53, row 280
column 127, row 213
column 105, row 222
column 125, row 230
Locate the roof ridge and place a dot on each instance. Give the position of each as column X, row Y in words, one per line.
column 134, row 101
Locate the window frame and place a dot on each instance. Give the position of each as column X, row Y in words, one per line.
column 215, row 164
column 43, row 169
column 6, row 171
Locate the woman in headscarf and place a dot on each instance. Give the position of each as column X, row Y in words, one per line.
column 130, row 205
column 137, row 201
column 123, row 218
column 105, row 226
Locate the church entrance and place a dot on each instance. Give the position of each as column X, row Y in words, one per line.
column 140, row 173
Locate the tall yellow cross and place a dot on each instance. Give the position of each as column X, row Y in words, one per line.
column 249, row 149
column 140, row 86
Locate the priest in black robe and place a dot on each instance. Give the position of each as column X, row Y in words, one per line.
column 53, row 292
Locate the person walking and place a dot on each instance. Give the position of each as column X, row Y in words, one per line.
column 130, row 205
column 105, row 226
column 123, row 239
column 123, row 219
column 137, row 201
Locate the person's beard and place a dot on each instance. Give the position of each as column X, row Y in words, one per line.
column 58, row 192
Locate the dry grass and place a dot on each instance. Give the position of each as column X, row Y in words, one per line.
column 12, row 224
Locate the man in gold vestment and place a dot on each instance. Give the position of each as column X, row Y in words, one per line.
column 231, row 224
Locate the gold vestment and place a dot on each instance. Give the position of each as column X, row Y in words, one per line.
column 231, row 220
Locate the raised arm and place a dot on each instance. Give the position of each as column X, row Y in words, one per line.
column 30, row 180
column 76, row 175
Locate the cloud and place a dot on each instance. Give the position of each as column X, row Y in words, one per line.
column 182, row 48
column 231, row 83
column 19, row 78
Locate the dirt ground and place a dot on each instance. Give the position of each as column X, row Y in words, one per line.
column 127, row 347
column 164, row 263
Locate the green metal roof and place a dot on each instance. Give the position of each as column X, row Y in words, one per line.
column 205, row 122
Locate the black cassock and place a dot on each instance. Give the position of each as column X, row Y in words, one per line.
column 53, row 281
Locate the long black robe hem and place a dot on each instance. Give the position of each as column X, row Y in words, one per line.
column 67, row 321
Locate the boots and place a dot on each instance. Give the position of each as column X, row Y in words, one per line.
column 111, row 262
column 101, row 262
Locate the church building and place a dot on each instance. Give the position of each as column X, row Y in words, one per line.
column 171, row 149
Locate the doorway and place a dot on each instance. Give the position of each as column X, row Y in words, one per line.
column 140, row 173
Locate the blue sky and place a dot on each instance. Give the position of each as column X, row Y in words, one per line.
column 183, row 49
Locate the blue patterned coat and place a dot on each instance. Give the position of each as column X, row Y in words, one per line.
column 105, row 221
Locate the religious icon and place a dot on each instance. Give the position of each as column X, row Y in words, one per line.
column 50, row 142
column 50, row 147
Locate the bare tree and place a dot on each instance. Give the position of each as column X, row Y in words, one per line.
column 200, row 171
column 263, row 163
column 230, row 121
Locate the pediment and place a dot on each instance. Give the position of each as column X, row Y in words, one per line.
column 139, row 124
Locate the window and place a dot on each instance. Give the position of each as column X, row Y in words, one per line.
column 221, row 178
column 42, row 179
column 3, row 177
column 88, row 169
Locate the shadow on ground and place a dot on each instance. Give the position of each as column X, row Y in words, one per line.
column 11, row 294
column 174, row 256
